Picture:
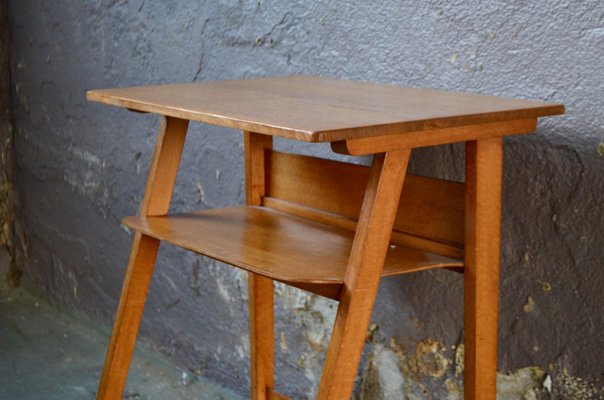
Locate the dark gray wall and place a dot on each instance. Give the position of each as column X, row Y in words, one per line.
column 82, row 167
column 7, row 204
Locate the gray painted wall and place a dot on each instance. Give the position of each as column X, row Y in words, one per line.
column 82, row 167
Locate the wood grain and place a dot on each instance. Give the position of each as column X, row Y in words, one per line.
column 328, row 227
column 340, row 109
column 363, row 273
column 257, row 153
column 272, row 395
column 262, row 336
column 400, row 238
column 156, row 201
column 260, row 288
column 432, row 137
column 275, row 244
column 481, row 278
column 429, row 208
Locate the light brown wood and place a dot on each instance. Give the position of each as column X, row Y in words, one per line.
column 432, row 137
column 262, row 353
column 362, row 276
column 481, row 277
column 164, row 167
column 400, row 238
column 274, row 244
column 261, row 297
column 257, row 152
column 430, row 209
column 330, row 228
column 162, row 175
column 316, row 109
column 272, row 395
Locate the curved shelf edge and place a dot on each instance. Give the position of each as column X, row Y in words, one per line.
column 277, row 245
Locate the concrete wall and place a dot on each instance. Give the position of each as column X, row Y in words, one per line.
column 82, row 167
column 7, row 163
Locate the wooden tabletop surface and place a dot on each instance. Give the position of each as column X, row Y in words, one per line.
column 316, row 109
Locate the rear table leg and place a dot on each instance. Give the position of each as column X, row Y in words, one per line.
column 261, row 296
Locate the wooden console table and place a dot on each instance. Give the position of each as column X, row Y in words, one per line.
column 331, row 228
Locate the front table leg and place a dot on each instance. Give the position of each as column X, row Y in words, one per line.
column 481, row 273
column 363, row 274
column 128, row 317
column 156, row 201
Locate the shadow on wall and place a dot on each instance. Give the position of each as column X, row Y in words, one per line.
column 81, row 170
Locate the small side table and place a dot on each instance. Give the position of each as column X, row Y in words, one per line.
column 331, row 228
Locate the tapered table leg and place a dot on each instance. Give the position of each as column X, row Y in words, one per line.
column 363, row 274
column 127, row 320
column 481, row 274
column 156, row 201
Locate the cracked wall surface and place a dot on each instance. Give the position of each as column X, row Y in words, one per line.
column 81, row 167
column 8, row 239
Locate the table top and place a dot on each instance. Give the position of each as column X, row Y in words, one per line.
column 317, row 109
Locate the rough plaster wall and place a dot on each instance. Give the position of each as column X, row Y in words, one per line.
column 6, row 129
column 7, row 201
column 81, row 167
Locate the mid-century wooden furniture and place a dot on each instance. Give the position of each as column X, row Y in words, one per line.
column 331, row 228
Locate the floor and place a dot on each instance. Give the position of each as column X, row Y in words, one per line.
column 46, row 353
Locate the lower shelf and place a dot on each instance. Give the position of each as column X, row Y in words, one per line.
column 274, row 244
